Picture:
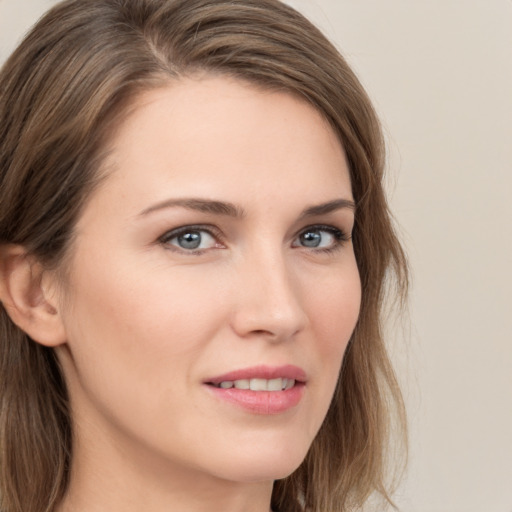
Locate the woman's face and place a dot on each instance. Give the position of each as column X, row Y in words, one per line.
column 215, row 256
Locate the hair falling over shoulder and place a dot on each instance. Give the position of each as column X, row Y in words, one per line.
column 61, row 93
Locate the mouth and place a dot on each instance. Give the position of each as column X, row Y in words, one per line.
column 261, row 389
column 279, row 384
column 260, row 378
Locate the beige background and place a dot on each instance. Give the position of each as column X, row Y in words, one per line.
column 440, row 73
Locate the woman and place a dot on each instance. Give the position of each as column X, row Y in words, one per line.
column 195, row 243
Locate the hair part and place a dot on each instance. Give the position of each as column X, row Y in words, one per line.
column 62, row 94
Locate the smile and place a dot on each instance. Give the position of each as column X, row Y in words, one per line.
column 260, row 390
column 279, row 384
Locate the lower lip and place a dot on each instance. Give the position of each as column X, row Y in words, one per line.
column 261, row 402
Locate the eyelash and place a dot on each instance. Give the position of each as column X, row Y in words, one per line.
column 340, row 237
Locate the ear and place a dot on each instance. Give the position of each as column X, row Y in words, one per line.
column 28, row 295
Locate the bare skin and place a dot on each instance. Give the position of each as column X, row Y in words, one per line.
column 150, row 314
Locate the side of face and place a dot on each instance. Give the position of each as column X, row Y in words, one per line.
column 219, row 243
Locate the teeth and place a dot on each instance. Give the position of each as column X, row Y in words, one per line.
column 241, row 384
column 279, row 384
column 258, row 385
column 275, row 385
column 290, row 384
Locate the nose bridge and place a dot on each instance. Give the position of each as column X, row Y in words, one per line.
column 269, row 299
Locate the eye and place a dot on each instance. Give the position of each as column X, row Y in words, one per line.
column 190, row 239
column 324, row 238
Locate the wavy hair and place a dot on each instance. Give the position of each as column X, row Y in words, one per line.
column 61, row 92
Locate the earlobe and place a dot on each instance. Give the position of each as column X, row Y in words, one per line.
column 25, row 299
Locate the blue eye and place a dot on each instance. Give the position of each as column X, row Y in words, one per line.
column 197, row 239
column 325, row 238
column 190, row 239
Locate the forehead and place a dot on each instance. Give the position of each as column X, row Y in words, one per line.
column 220, row 135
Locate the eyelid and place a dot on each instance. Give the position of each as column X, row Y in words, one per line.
column 212, row 230
column 341, row 237
column 209, row 228
column 325, row 227
column 339, row 234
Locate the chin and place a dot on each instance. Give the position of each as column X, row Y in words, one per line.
column 265, row 465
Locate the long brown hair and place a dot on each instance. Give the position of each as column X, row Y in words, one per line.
column 61, row 92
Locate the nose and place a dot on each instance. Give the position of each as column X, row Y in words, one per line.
column 268, row 302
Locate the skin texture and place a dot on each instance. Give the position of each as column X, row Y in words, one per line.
column 147, row 322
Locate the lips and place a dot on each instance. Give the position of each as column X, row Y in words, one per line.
column 261, row 372
column 260, row 389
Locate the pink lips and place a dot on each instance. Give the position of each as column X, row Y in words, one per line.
column 261, row 402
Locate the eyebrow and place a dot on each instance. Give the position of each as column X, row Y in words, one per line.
column 324, row 208
column 200, row 205
column 232, row 210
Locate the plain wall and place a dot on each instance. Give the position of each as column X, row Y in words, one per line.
column 440, row 74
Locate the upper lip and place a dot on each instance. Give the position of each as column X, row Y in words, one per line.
column 288, row 371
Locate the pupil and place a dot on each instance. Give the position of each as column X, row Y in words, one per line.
column 311, row 239
column 190, row 240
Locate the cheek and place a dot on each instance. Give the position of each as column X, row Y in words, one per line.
column 335, row 308
column 334, row 311
column 125, row 301
column 336, row 316
column 135, row 335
